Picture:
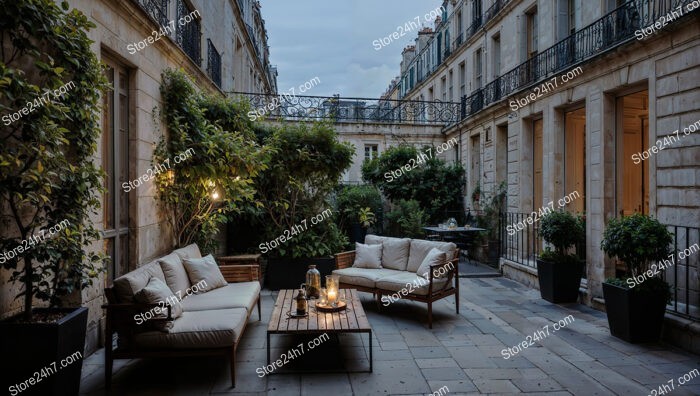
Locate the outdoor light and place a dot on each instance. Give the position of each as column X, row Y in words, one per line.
column 215, row 195
column 323, row 298
column 332, row 289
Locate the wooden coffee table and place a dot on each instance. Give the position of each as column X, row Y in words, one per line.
column 350, row 320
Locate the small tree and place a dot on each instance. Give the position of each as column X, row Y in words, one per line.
column 561, row 229
column 48, row 177
column 204, row 191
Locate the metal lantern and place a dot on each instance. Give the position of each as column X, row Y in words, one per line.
column 302, row 304
column 313, row 282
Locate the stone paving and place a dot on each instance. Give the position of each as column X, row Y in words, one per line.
column 462, row 352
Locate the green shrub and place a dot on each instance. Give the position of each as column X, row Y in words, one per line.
column 406, row 219
column 434, row 184
column 352, row 199
column 562, row 229
column 637, row 240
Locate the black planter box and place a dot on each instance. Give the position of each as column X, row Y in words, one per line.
column 287, row 273
column 633, row 315
column 27, row 348
column 559, row 283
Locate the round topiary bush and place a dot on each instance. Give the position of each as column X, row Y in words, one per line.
column 562, row 229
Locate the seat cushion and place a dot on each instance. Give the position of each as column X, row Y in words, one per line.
column 234, row 295
column 175, row 274
column 395, row 251
column 127, row 285
column 363, row 276
column 189, row 251
column 197, row 329
column 410, row 282
column 420, row 249
column 204, row 271
column 367, row 256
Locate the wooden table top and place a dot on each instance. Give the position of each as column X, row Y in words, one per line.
column 350, row 320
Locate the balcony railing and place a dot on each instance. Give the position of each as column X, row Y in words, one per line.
column 156, row 9
column 213, row 63
column 683, row 275
column 492, row 11
column 189, row 35
column 362, row 110
column 608, row 32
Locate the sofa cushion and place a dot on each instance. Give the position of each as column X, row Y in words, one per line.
column 420, row 249
column 234, row 295
column 196, row 330
column 205, row 273
column 410, row 282
column 157, row 292
column 367, row 256
column 395, row 251
column 175, row 274
column 127, row 285
column 189, row 251
column 363, row 276
column 434, row 257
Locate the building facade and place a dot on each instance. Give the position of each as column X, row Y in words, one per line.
column 221, row 44
column 592, row 103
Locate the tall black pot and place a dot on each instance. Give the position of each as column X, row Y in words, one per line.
column 634, row 315
column 559, row 282
column 33, row 353
column 288, row 273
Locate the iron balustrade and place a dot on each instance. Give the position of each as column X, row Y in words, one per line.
column 522, row 246
column 213, row 63
column 189, row 34
column 683, row 274
column 608, row 32
column 492, row 11
column 156, row 9
column 337, row 109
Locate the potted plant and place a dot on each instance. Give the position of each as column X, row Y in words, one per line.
column 48, row 192
column 357, row 206
column 476, row 194
column 493, row 206
column 558, row 271
column 294, row 194
column 636, row 303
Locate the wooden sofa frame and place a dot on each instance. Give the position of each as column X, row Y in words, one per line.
column 120, row 320
column 346, row 259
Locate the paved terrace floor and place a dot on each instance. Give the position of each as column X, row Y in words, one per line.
column 462, row 352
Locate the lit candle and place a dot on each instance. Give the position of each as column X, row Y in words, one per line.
column 332, row 296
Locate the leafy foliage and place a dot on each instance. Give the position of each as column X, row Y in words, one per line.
column 351, row 200
column 562, row 229
column 435, row 185
column 224, row 163
column 406, row 219
column 637, row 240
column 305, row 169
column 47, row 170
column 493, row 205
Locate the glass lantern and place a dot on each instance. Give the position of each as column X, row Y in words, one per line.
column 313, row 282
column 323, row 298
column 332, row 283
column 451, row 223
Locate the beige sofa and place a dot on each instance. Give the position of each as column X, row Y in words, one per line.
column 401, row 258
column 212, row 322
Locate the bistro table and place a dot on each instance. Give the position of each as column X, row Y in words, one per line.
column 456, row 232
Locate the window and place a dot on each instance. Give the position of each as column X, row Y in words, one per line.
column 496, row 56
column 189, row 35
column 462, row 79
column 532, row 39
column 451, row 87
column 371, row 151
column 572, row 16
column 443, row 85
column 213, row 63
column 477, row 69
column 115, row 162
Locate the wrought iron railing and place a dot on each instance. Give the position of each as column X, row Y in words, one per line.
column 337, row 109
column 213, row 63
column 156, row 9
column 608, row 32
column 683, row 275
column 189, row 34
column 495, row 8
column 519, row 245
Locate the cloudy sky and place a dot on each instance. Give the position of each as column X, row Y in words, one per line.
column 332, row 40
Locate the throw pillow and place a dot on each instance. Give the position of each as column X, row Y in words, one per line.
column 157, row 292
column 367, row 256
column 175, row 274
column 435, row 256
column 205, row 273
column 395, row 253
